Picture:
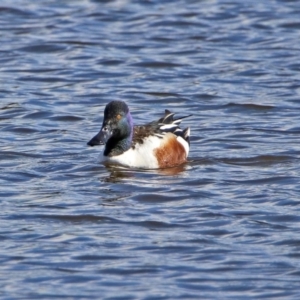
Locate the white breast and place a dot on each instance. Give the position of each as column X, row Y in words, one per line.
column 140, row 157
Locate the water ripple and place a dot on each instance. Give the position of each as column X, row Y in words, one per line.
column 225, row 223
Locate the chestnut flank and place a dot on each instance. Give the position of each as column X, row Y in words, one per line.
column 170, row 153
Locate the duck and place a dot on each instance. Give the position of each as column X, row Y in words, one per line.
column 157, row 145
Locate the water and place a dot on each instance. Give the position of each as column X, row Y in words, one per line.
column 225, row 225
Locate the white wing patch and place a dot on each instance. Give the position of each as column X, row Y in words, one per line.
column 185, row 144
column 168, row 126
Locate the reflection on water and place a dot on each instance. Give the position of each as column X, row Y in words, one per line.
column 225, row 223
column 117, row 173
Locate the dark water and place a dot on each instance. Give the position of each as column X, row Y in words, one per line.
column 224, row 226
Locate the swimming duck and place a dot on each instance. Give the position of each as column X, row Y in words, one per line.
column 158, row 144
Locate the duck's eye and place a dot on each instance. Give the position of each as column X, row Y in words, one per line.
column 105, row 128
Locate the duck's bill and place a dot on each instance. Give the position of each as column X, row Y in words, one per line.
column 102, row 137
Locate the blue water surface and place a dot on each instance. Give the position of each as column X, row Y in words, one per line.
column 225, row 225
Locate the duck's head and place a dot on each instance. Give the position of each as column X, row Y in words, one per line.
column 116, row 127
